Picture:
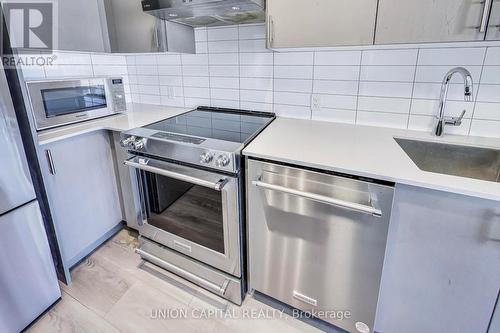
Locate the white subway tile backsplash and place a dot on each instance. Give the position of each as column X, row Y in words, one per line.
column 223, row 46
column 106, row 59
column 263, row 107
column 175, row 81
column 338, row 102
column 433, row 91
column 256, row 71
column 256, row 83
column 381, row 119
column 227, row 94
column 145, row 69
column 436, row 74
column 489, row 93
column 196, row 81
column 335, row 87
column 293, row 72
column 195, row 70
column 224, row 59
column 389, row 57
column 292, row 111
column 487, row 111
column 293, row 58
column 288, row 98
column 384, row 104
column 350, row 73
column 253, row 45
column 146, row 59
column 169, row 70
column 387, row 73
column 491, row 75
column 336, row 115
column 225, row 33
column 452, row 56
column 290, row 85
column 260, row 96
column 385, row 89
column 492, row 56
column 486, row 128
column 233, row 68
column 252, row 31
column 223, row 103
column 428, row 123
column 196, row 92
column 256, row 58
column 168, row 59
column 224, row 82
column 337, row 58
column 452, row 109
column 224, row 71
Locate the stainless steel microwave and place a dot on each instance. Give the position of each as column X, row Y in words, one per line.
column 61, row 102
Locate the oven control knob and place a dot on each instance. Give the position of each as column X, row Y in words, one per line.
column 222, row 161
column 138, row 144
column 206, row 157
column 126, row 143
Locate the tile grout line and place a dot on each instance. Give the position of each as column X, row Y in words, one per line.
column 413, row 88
column 359, row 87
column 477, row 92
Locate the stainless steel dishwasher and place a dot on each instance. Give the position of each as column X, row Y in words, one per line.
column 317, row 241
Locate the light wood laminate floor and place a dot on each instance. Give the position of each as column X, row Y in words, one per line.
column 113, row 290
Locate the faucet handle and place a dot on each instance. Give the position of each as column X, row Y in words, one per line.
column 455, row 121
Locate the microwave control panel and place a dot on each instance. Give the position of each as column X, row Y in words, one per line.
column 117, row 94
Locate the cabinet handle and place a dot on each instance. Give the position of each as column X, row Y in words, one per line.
column 155, row 35
column 486, row 15
column 50, row 160
column 272, row 30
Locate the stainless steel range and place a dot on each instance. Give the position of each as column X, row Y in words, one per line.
column 191, row 187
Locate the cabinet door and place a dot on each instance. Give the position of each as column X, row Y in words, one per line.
column 493, row 32
column 80, row 26
column 442, row 265
column 83, row 192
column 410, row 21
column 299, row 23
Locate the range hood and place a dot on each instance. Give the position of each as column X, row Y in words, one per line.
column 207, row 13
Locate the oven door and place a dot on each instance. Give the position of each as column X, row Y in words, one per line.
column 192, row 211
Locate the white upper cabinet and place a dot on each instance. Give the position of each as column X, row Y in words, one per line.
column 315, row 23
column 415, row 21
column 493, row 32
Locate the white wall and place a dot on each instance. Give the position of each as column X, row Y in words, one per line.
column 395, row 87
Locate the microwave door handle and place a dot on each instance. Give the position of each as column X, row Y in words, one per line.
column 217, row 185
column 321, row 198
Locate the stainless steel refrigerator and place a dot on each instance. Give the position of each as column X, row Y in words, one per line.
column 28, row 281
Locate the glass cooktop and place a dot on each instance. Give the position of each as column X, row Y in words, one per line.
column 207, row 123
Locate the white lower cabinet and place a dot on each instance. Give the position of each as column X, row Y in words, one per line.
column 80, row 178
column 442, row 265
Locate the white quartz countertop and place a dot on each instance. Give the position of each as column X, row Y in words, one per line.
column 137, row 115
column 364, row 151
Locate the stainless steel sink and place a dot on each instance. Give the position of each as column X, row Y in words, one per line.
column 463, row 161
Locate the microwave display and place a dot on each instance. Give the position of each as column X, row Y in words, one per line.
column 68, row 100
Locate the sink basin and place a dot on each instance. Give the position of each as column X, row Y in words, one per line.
column 463, row 161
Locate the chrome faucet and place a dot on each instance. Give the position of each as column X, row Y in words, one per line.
column 454, row 121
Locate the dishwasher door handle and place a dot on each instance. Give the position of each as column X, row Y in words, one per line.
column 321, row 198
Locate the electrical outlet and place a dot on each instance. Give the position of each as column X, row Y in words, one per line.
column 316, row 102
column 170, row 92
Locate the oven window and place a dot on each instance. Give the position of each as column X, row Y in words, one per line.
column 189, row 211
column 61, row 101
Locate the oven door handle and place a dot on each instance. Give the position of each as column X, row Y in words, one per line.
column 190, row 175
